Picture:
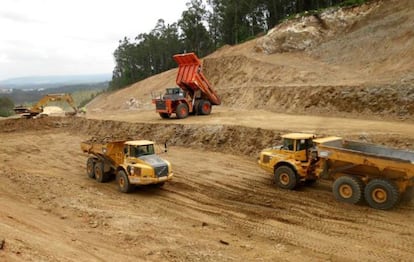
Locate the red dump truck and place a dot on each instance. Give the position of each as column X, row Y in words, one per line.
column 359, row 171
column 194, row 94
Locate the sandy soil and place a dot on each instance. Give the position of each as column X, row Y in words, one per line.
column 222, row 207
column 272, row 121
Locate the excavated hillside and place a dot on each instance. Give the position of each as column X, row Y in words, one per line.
column 353, row 62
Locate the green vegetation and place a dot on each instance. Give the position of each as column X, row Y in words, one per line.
column 83, row 97
column 353, row 2
column 6, row 107
column 205, row 26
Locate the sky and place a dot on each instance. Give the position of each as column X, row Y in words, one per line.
column 71, row 37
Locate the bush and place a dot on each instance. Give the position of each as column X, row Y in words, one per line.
column 353, row 2
column 6, row 107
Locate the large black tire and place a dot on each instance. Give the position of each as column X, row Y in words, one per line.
column 382, row 194
column 90, row 167
column 204, row 107
column 348, row 189
column 123, row 182
column 286, row 177
column 100, row 174
column 181, row 111
column 165, row 115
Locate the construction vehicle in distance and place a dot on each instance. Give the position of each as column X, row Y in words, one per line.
column 194, row 94
column 132, row 162
column 359, row 170
column 37, row 109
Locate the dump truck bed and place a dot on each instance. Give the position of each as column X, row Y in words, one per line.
column 369, row 150
column 367, row 155
column 190, row 77
column 111, row 151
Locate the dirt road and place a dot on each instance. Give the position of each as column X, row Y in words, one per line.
column 270, row 120
column 219, row 207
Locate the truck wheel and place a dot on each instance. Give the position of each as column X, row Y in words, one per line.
column 348, row 189
column 286, row 177
column 165, row 115
column 90, row 167
column 182, row 111
column 204, row 107
column 382, row 194
column 100, row 174
column 123, row 182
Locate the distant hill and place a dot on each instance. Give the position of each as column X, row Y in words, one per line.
column 35, row 82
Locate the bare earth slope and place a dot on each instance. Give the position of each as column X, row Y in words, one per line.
column 361, row 70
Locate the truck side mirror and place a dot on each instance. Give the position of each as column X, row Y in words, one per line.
column 165, row 147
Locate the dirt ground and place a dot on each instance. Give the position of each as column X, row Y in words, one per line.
column 218, row 207
column 357, row 83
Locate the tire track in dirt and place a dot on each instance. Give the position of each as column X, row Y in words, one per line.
column 214, row 196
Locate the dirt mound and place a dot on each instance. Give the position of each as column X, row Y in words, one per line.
column 306, row 32
column 380, row 46
column 53, row 110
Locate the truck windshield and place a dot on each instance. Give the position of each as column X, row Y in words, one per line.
column 303, row 144
column 173, row 91
column 288, row 144
column 143, row 150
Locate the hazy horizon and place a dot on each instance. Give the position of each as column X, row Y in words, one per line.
column 73, row 37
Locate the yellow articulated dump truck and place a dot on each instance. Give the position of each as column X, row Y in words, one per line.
column 132, row 162
column 358, row 170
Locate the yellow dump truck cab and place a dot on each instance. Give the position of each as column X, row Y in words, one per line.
column 132, row 162
column 142, row 165
column 290, row 162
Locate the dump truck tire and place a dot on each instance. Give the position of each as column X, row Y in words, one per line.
column 204, row 107
column 90, row 167
column 182, row 111
column 348, row 189
column 286, row 177
column 123, row 182
column 100, row 174
column 165, row 115
column 382, row 194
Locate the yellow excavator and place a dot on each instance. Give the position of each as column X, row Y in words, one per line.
column 37, row 109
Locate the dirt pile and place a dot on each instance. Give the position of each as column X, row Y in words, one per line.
column 53, row 110
column 305, row 32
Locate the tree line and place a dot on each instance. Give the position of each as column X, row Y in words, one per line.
column 203, row 27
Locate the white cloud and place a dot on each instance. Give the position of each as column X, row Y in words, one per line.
column 45, row 37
